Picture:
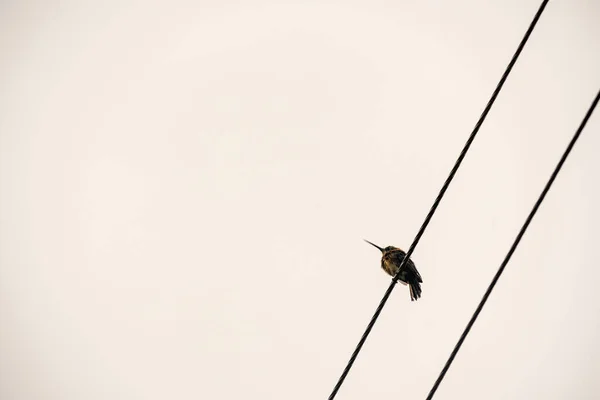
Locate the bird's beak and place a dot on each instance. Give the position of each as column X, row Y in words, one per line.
column 380, row 249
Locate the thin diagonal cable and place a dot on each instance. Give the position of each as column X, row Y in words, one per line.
column 439, row 198
column 514, row 246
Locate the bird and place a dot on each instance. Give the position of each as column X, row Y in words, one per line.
column 390, row 262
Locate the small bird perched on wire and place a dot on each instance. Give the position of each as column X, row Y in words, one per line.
column 390, row 261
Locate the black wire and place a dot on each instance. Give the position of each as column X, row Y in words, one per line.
column 438, row 199
column 513, row 247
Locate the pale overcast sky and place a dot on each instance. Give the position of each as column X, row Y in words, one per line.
column 185, row 186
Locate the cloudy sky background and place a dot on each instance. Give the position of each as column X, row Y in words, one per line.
column 185, row 186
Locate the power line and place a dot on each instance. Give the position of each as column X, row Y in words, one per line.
column 513, row 247
column 439, row 198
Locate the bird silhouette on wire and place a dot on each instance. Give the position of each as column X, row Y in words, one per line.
column 391, row 259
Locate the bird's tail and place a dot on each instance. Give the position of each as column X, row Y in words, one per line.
column 415, row 289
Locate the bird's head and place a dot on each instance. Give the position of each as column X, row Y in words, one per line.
column 383, row 250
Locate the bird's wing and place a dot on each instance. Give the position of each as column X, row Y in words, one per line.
column 399, row 255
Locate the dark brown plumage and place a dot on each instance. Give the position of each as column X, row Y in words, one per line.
column 390, row 261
